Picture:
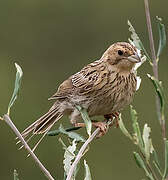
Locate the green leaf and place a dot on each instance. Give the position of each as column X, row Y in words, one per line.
column 139, row 160
column 53, row 133
column 57, row 132
column 136, row 40
column 19, row 74
column 162, row 35
column 159, row 90
column 86, row 119
column 87, row 171
column 147, row 142
column 166, row 160
column 15, row 174
column 71, row 135
column 123, row 128
column 137, row 132
column 141, row 164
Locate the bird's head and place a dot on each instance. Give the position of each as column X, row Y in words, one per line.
column 121, row 56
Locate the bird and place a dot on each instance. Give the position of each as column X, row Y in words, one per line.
column 103, row 87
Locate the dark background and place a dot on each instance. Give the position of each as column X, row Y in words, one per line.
column 51, row 40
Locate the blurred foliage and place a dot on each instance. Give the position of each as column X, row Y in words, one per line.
column 52, row 40
column 15, row 174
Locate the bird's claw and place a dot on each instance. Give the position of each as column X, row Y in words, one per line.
column 103, row 128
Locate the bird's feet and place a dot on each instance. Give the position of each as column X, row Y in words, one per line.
column 114, row 118
column 103, row 126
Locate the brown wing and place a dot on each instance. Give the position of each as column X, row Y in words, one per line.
column 91, row 78
column 64, row 90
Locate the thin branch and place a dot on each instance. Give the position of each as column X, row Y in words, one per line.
column 151, row 41
column 15, row 130
column 80, row 153
column 155, row 65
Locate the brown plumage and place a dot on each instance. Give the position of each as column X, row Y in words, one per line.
column 102, row 87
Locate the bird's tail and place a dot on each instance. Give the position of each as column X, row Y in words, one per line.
column 42, row 125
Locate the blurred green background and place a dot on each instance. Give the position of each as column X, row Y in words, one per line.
column 51, row 40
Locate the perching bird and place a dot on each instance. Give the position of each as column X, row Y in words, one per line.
column 103, row 87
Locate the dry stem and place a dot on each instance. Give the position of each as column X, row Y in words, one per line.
column 15, row 130
column 155, row 65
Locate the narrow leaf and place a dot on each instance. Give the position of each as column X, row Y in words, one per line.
column 141, row 164
column 86, row 119
column 19, row 74
column 139, row 160
column 162, row 35
column 57, row 132
column 123, row 128
column 137, row 132
column 166, row 160
column 159, row 90
column 15, row 174
column 53, row 133
column 87, row 171
column 71, row 135
column 147, row 142
column 136, row 40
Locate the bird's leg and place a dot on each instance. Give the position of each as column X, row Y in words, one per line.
column 111, row 117
column 101, row 125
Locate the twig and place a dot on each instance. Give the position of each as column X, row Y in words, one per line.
column 15, row 130
column 80, row 153
column 152, row 46
column 155, row 65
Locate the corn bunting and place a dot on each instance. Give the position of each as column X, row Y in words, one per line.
column 103, row 87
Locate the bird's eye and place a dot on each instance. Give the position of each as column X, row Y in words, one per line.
column 120, row 52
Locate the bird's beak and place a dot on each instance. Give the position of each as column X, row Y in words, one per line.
column 134, row 58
